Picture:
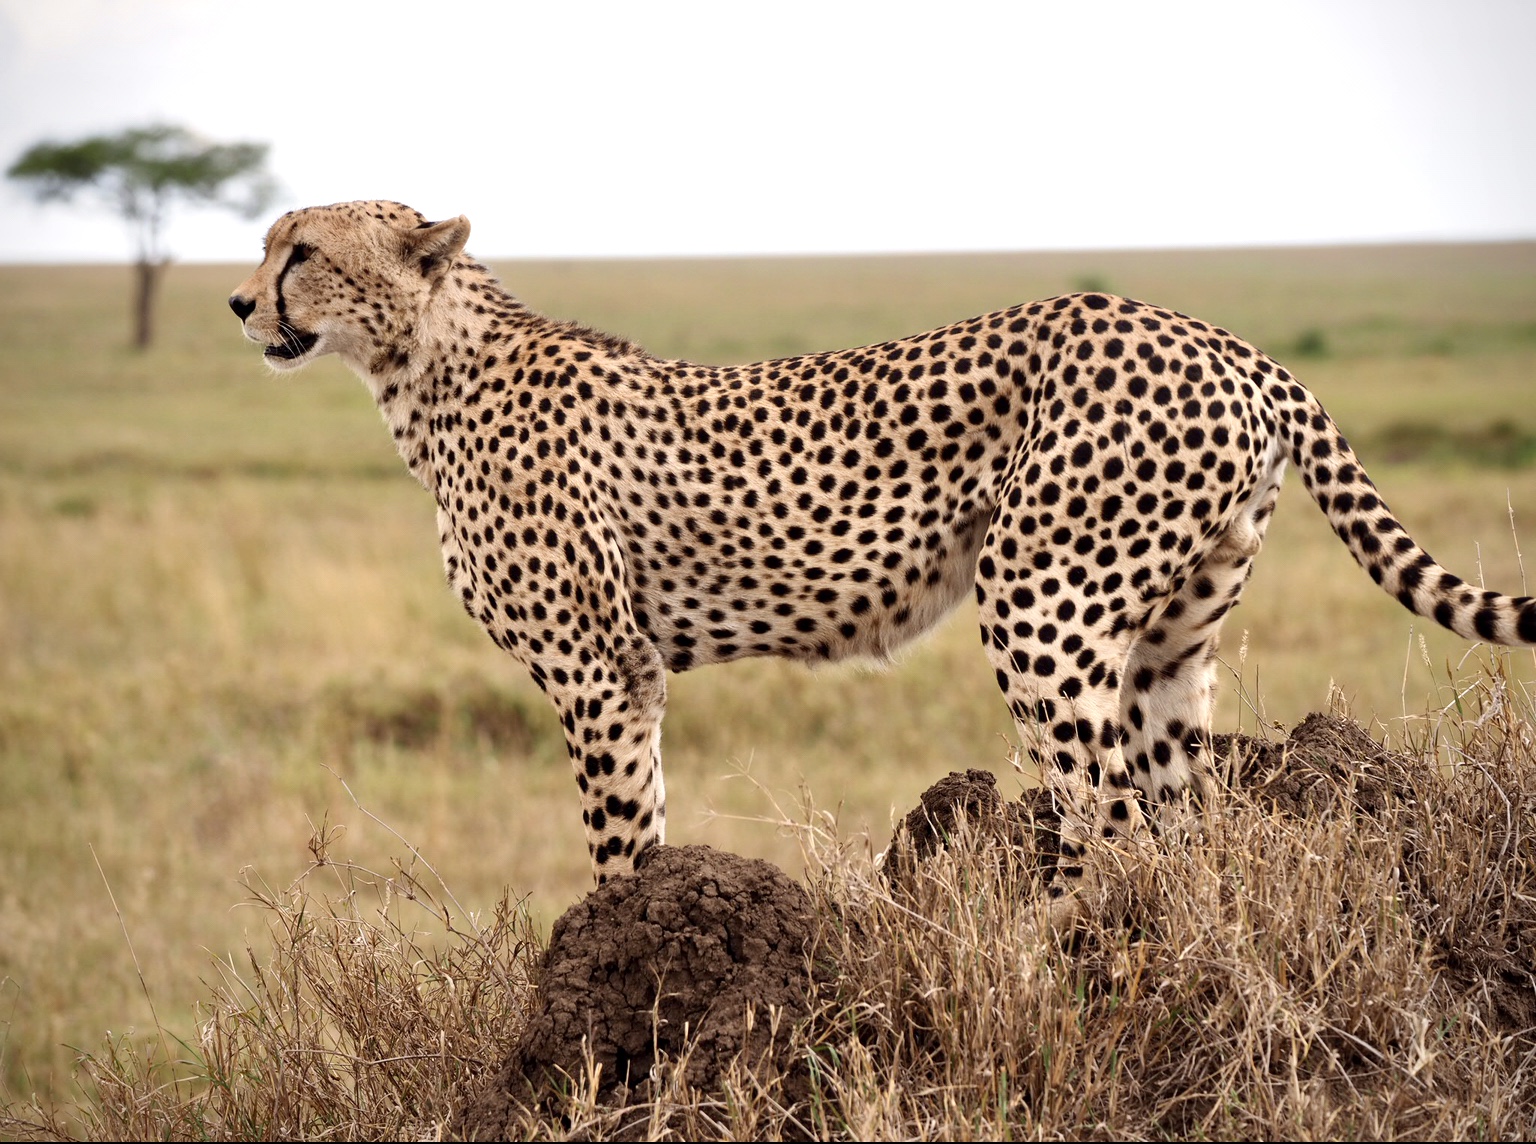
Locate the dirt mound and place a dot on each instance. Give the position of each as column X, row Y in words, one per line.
column 1327, row 765
column 969, row 801
column 649, row 965
column 1484, row 941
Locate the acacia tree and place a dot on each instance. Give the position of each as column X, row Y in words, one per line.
column 139, row 174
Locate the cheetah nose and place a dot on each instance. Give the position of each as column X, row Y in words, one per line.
column 241, row 306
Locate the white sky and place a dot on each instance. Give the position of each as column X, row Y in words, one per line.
column 567, row 128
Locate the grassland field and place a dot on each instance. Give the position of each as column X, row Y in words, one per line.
column 220, row 596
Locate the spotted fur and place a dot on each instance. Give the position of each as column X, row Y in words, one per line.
column 1099, row 471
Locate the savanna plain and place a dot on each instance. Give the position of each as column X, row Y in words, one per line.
column 236, row 697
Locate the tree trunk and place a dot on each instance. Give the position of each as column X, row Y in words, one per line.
column 147, row 281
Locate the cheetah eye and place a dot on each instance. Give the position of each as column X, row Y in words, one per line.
column 300, row 253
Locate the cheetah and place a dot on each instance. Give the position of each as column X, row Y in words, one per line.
column 1099, row 471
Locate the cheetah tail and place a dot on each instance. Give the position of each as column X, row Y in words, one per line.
column 1334, row 476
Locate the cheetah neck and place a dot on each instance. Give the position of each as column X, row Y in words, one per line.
column 420, row 369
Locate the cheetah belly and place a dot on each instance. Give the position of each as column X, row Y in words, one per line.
column 812, row 609
column 944, row 579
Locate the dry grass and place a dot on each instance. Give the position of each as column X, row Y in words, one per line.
column 380, row 1003
column 1352, row 972
column 1293, row 977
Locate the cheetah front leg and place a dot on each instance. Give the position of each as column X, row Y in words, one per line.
column 611, row 699
column 569, row 619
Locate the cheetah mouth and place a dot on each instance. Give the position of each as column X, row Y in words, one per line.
column 295, row 343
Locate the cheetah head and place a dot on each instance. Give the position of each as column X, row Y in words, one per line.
column 353, row 279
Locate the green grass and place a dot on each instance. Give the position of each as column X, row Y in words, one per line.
column 220, row 596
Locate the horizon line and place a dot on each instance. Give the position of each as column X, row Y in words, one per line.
column 932, row 252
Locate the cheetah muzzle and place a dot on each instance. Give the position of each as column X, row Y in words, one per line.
column 1100, row 472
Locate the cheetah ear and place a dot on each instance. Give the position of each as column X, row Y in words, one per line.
column 434, row 245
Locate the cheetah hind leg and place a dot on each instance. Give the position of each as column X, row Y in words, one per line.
column 1069, row 724
column 1169, row 686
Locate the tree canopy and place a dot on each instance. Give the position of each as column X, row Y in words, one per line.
column 138, row 173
